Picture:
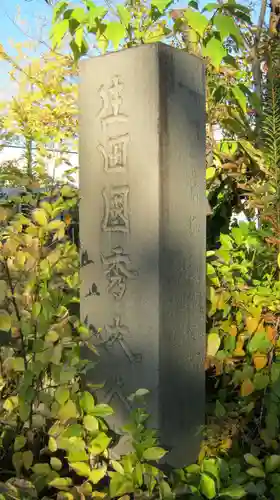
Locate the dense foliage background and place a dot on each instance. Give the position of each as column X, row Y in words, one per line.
column 55, row 442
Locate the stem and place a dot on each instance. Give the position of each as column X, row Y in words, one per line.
column 17, row 313
column 29, row 157
column 256, row 67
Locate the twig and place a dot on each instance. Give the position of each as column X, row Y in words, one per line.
column 16, row 311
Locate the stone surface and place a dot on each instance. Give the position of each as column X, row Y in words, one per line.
column 142, row 229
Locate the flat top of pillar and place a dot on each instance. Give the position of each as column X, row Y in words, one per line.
column 160, row 46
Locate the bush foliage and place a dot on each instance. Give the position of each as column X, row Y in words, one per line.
column 55, row 438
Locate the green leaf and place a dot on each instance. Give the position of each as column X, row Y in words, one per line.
column 99, row 444
column 61, row 483
column 220, row 410
column 226, row 26
column 62, row 395
column 140, row 393
column 240, row 97
column 19, row 443
column 275, row 372
column 24, row 411
column 154, row 453
column 261, row 381
column 79, row 35
column 18, row 365
column 3, row 290
column 27, row 459
column 52, row 445
column 79, row 14
column 115, row 33
column 255, row 472
column 198, row 22
column 41, row 469
column 17, row 461
column 59, row 9
column 87, row 402
column 207, row 486
column 161, row 5
column 102, row 410
column 210, row 173
column 40, row 216
column 272, row 463
column 213, row 344
column 56, row 464
column 58, row 32
column 90, row 423
column 124, row 14
column 120, row 484
column 117, row 466
column 259, row 342
column 193, row 469
column 5, row 321
column 81, row 468
column 215, row 51
column 252, row 460
column 75, row 430
column 97, row 474
column 67, row 411
column 234, row 491
column 211, row 6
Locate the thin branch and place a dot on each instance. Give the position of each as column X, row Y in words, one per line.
column 17, row 312
column 256, row 65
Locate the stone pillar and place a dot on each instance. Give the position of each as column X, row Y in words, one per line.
column 142, row 230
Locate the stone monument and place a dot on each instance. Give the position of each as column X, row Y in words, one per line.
column 142, row 230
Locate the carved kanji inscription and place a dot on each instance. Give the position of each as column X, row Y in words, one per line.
column 111, row 103
column 118, row 333
column 115, row 153
column 117, row 272
column 116, row 217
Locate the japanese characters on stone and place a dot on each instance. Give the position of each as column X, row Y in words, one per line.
column 117, row 266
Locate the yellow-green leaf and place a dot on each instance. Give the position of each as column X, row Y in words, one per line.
column 19, row 443
column 18, row 365
column 99, row 444
column 81, row 469
column 52, row 444
column 115, row 33
column 90, row 423
column 87, row 402
column 213, row 344
column 197, row 21
column 252, row 460
column 5, row 321
column 210, row 173
column 27, row 459
column 67, row 411
column 207, row 486
column 256, row 472
column 247, row 388
column 40, row 216
column 272, row 463
column 56, row 464
column 154, row 453
column 97, row 474
column 160, row 4
column 3, row 290
column 215, row 51
column 227, row 26
column 61, row 483
column 240, row 97
column 62, row 395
